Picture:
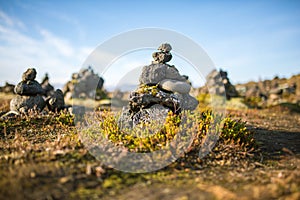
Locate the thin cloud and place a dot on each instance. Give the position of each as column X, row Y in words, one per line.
column 5, row 19
column 62, row 46
column 48, row 53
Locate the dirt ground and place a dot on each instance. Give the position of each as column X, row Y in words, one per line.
column 275, row 176
column 54, row 165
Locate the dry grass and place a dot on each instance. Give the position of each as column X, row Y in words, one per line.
column 42, row 157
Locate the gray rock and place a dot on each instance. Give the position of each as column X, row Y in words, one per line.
column 125, row 119
column 155, row 73
column 24, row 103
column 29, row 88
column 218, row 83
column 162, row 89
column 29, row 75
column 161, row 57
column 84, row 84
column 56, row 102
column 156, row 114
column 140, row 101
column 173, row 73
column 187, row 102
column 175, row 86
column 166, row 48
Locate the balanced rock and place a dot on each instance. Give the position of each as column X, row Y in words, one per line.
column 84, row 84
column 163, row 55
column 155, row 73
column 218, row 83
column 29, row 93
column 165, row 48
column 162, row 89
column 28, row 86
column 175, row 86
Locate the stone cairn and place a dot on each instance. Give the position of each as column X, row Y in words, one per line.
column 32, row 96
column 85, row 84
column 218, row 83
column 162, row 89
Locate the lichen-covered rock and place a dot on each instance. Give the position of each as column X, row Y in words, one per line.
column 23, row 104
column 145, row 99
column 162, row 89
column 156, row 114
column 125, row 119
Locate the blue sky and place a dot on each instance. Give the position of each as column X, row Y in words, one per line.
column 249, row 39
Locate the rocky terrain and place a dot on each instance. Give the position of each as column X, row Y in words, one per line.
column 44, row 155
column 271, row 92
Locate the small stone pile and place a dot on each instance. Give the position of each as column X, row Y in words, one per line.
column 266, row 93
column 162, row 89
column 30, row 95
column 85, row 84
column 218, row 83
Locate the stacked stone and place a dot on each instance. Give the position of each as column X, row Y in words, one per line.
column 218, row 83
column 84, row 84
column 30, row 95
column 162, row 89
